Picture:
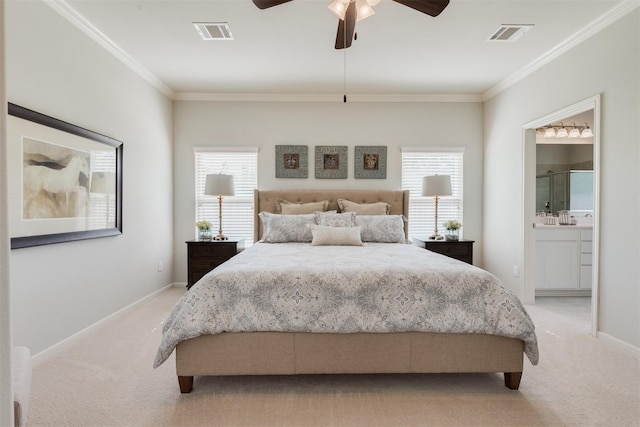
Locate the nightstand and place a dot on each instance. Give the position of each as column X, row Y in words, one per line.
column 202, row 257
column 461, row 249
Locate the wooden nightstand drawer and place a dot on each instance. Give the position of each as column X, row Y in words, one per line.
column 461, row 250
column 204, row 263
column 202, row 257
column 208, row 250
column 449, row 249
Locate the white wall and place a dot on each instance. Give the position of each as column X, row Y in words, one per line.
column 608, row 64
column 6, row 342
column 59, row 290
column 266, row 124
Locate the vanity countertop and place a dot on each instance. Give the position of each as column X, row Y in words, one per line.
column 579, row 225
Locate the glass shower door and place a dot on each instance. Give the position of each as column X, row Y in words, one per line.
column 543, row 193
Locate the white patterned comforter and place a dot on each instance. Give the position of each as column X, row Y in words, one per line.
column 378, row 287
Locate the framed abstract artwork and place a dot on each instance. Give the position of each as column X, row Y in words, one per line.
column 65, row 182
column 331, row 161
column 292, row 161
column 370, row 162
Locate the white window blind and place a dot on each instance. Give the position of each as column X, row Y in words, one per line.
column 418, row 163
column 102, row 191
column 237, row 211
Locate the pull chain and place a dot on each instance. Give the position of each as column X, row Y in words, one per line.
column 345, row 61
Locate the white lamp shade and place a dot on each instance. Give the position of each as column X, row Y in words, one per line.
column 574, row 133
column 103, row 183
column 562, row 133
column 436, row 185
column 586, row 133
column 364, row 10
column 219, row 185
column 339, row 8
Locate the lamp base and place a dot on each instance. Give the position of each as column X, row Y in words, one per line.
column 220, row 237
column 436, row 236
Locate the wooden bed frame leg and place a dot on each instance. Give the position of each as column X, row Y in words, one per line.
column 186, row 383
column 512, row 380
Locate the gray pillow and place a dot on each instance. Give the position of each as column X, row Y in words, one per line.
column 286, row 228
column 381, row 228
column 334, row 219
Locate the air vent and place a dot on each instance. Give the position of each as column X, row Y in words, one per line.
column 214, row 30
column 509, row 33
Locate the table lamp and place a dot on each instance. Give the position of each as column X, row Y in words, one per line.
column 219, row 185
column 436, row 186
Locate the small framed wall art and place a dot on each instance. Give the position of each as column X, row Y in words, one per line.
column 292, row 161
column 331, row 161
column 370, row 162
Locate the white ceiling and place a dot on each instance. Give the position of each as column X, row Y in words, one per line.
column 288, row 49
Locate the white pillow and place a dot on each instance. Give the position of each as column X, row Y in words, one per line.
column 335, row 236
column 334, row 219
column 378, row 208
column 286, row 228
column 381, row 228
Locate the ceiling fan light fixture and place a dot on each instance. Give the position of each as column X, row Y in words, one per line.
column 364, row 10
column 339, row 8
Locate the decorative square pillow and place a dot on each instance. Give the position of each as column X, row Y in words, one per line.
column 335, row 236
column 335, row 219
column 286, row 228
column 378, row 208
column 381, row 228
column 286, row 207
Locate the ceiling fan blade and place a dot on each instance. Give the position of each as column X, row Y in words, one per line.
column 265, row 4
column 346, row 27
column 430, row 7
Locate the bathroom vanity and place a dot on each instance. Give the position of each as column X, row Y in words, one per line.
column 563, row 259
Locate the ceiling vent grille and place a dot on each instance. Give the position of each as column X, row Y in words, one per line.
column 214, row 30
column 509, row 33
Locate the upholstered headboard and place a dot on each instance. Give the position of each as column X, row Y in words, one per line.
column 265, row 201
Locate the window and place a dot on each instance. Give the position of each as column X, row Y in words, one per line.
column 418, row 163
column 237, row 211
column 102, row 193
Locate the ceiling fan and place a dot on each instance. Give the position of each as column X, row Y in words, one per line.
column 350, row 11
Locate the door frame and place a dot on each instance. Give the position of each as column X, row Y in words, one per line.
column 528, row 199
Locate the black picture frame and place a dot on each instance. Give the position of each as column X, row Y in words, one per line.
column 39, row 147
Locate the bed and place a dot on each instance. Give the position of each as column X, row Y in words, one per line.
column 290, row 307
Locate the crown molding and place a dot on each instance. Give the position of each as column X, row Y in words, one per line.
column 73, row 16
column 611, row 16
column 316, row 97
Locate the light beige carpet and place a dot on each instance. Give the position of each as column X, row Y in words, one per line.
column 107, row 379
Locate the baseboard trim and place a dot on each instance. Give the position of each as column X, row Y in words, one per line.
column 625, row 346
column 56, row 348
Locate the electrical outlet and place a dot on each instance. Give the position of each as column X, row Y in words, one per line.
column 160, row 266
column 516, row 271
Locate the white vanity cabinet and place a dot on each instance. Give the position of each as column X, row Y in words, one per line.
column 586, row 251
column 563, row 260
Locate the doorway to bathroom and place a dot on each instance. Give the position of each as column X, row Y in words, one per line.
column 560, row 206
